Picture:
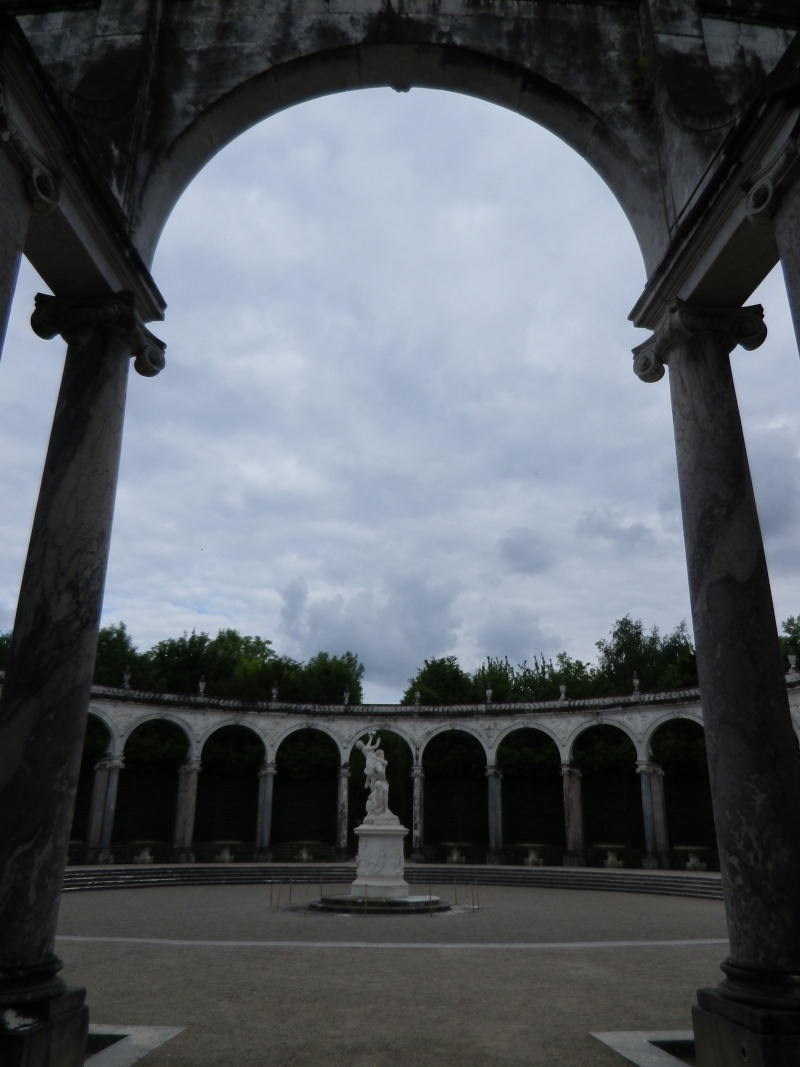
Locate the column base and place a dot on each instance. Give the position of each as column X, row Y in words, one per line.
column 48, row 1032
column 341, row 855
column 104, row 856
column 417, row 856
column 728, row 1033
column 263, row 855
column 650, row 861
column 182, row 855
column 574, row 859
column 496, row 857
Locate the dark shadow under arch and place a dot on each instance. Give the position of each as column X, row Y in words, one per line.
column 96, row 741
column 455, row 797
column 612, row 795
column 679, row 748
column 304, row 798
column 533, row 796
column 227, row 794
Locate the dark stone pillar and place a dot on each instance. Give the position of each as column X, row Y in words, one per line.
column 787, row 236
column 575, row 854
column 650, row 857
column 417, row 816
column 494, row 781
column 755, row 781
column 45, row 699
column 103, row 809
column 183, row 835
column 342, row 812
column 656, row 775
column 266, row 782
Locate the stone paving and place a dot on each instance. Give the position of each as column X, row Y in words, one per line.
column 522, row 979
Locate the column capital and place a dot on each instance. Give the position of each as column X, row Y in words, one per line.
column 493, row 771
column 44, row 185
column 190, row 766
column 682, row 321
column 417, row 771
column 344, row 770
column 648, row 767
column 569, row 770
column 764, row 190
column 267, row 768
column 109, row 763
column 70, row 317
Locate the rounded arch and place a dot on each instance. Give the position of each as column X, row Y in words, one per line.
column 540, row 727
column 533, row 806
column 455, row 798
column 232, row 755
column 155, row 748
column 168, row 717
column 307, row 762
column 223, row 724
column 584, row 727
column 677, row 747
column 321, row 727
column 402, row 65
column 464, row 728
column 397, row 730
column 115, row 736
column 606, row 755
column 674, row 715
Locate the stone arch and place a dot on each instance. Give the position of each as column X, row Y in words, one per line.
column 155, row 748
column 322, row 727
column 98, row 739
column 456, row 796
column 617, row 724
column 402, row 65
column 231, row 756
column 606, row 755
column 673, row 715
column 462, row 727
column 533, row 801
column 170, row 717
column 222, row 724
column 307, row 761
column 399, row 753
column 677, row 747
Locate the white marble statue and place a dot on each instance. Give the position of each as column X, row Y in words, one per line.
column 375, row 781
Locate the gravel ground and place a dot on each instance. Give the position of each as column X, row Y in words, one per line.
column 521, row 980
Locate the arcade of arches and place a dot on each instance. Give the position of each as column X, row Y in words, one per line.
column 690, row 112
column 608, row 783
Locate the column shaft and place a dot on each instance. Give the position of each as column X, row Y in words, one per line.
column 109, row 812
column 494, row 780
column 266, row 782
column 417, row 816
column 342, row 812
column 650, row 858
column 98, row 806
column 575, row 855
column 660, row 814
column 753, row 768
column 183, row 835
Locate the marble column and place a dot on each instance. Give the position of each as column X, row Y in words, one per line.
column 575, row 854
column 661, row 826
column 266, row 784
column 342, row 812
column 494, row 781
column 753, row 767
column 650, row 857
column 103, row 809
column 183, row 833
column 417, row 816
column 45, row 699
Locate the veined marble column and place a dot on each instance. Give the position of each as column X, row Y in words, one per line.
column 417, row 817
column 45, row 699
column 183, row 834
column 575, row 854
column 753, row 769
column 650, row 857
column 266, row 783
column 494, row 781
column 103, row 809
column 342, row 812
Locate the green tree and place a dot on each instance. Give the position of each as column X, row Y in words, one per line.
column 660, row 662
column 499, row 676
column 116, row 654
column 5, row 645
column 440, row 681
column 324, row 679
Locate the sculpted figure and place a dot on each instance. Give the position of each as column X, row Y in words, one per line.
column 375, row 779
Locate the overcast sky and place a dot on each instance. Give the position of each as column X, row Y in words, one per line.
column 398, row 414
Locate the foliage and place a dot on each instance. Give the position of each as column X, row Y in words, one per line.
column 681, row 744
column 529, row 752
column 307, row 755
column 5, row 645
column 440, row 681
column 117, row 653
column 605, row 749
column 660, row 662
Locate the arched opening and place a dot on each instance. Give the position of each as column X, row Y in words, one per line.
column 148, row 791
column 304, row 798
column 398, row 774
column 455, row 803
column 679, row 749
column 227, row 795
column 533, row 797
column 612, row 799
column 95, row 743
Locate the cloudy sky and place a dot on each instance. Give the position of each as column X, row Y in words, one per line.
column 398, row 415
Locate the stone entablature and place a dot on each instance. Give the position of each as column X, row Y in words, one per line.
column 638, row 715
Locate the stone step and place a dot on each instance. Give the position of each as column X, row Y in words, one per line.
column 621, row 881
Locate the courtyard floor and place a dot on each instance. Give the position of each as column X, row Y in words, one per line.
column 521, row 979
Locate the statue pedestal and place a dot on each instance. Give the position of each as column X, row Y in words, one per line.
column 380, row 859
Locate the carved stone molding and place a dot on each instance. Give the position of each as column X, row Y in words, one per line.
column 764, row 191
column 69, row 317
column 110, row 763
column 44, row 184
column 267, row 769
column 191, row 766
column 740, row 326
column 646, row 767
column 568, row 770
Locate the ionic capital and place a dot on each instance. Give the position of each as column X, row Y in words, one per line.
column 569, row 770
column 417, row 771
column 43, row 183
column 267, row 768
column 110, row 763
column 344, row 771
column 738, row 326
column 190, row 766
column 765, row 189
column 70, row 317
column 646, row 767
column 493, row 771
